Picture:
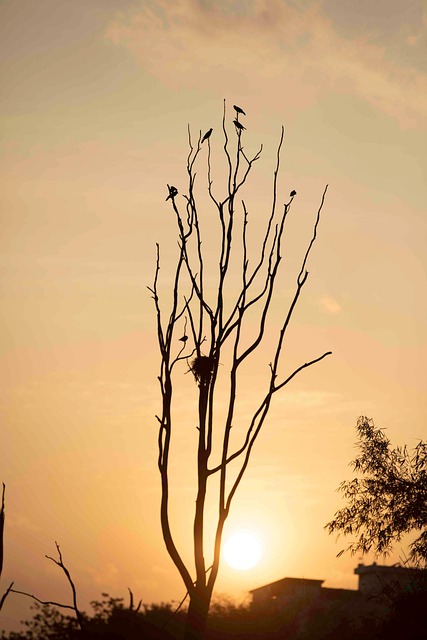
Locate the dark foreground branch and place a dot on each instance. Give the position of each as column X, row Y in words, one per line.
column 73, row 607
column 2, row 527
column 2, row 517
column 4, row 596
column 51, row 602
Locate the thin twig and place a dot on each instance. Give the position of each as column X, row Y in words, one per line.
column 303, row 366
column 6, row 593
column 314, row 235
column 2, row 518
column 53, row 603
column 131, row 603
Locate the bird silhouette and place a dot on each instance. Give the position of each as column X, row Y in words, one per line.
column 293, row 193
column 238, row 125
column 238, row 110
column 207, row 135
column 184, row 338
column 173, row 191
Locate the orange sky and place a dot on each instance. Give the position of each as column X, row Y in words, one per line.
column 96, row 97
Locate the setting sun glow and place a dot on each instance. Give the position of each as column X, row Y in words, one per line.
column 242, row 550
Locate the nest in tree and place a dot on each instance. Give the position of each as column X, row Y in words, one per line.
column 201, row 368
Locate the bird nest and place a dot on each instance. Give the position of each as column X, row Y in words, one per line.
column 201, row 368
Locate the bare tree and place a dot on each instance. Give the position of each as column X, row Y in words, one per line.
column 201, row 328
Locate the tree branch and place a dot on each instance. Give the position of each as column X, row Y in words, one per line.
column 51, row 602
column 60, row 564
column 131, row 603
column 4, row 596
column 303, row 366
column 2, row 518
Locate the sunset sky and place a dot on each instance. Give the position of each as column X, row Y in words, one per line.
column 95, row 101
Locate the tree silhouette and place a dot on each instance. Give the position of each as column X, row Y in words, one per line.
column 390, row 499
column 215, row 329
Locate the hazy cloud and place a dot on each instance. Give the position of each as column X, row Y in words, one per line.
column 233, row 45
column 109, row 574
column 330, row 305
column 22, row 523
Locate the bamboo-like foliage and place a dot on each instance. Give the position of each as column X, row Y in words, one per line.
column 200, row 327
column 388, row 499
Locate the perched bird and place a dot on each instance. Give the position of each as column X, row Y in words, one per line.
column 238, row 110
column 173, row 191
column 207, row 135
column 184, row 338
column 293, row 193
column 238, row 125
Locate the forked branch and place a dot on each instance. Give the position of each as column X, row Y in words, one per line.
column 73, row 607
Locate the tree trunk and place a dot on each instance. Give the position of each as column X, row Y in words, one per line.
column 197, row 615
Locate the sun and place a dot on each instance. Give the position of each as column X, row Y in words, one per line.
column 242, row 550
